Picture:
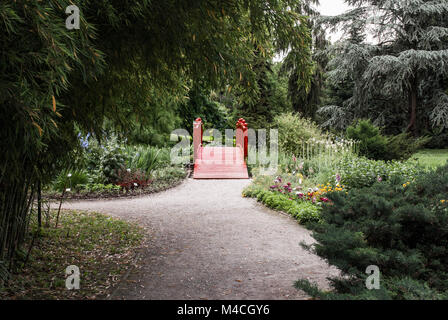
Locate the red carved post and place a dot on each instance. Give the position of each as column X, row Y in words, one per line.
column 246, row 138
column 239, row 138
column 242, row 136
column 197, row 138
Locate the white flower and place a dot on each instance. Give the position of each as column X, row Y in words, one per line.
column 135, row 184
column 128, row 170
column 68, row 190
column 69, row 175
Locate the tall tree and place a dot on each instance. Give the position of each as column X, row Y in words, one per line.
column 402, row 73
column 306, row 76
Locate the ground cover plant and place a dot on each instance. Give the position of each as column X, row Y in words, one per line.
column 103, row 248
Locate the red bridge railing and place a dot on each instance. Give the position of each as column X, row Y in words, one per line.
column 241, row 137
column 198, row 131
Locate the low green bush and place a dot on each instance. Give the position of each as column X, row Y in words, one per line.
column 73, row 179
column 403, row 146
column 302, row 211
column 438, row 140
column 401, row 228
column 358, row 172
column 147, row 158
column 431, row 158
column 99, row 187
column 372, row 144
column 112, row 158
column 169, row 173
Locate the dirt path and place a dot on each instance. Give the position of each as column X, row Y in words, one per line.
column 207, row 242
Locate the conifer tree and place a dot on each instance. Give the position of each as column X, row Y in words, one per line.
column 400, row 78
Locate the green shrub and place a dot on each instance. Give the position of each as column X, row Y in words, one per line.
column 148, row 158
column 438, row 141
column 372, row 144
column 293, row 131
column 403, row 146
column 111, row 161
column 104, row 160
column 358, row 172
column 305, row 212
column 401, row 229
column 99, row 187
column 75, row 181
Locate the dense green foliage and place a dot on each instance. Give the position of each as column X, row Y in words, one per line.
column 358, row 172
column 400, row 228
column 201, row 104
column 114, row 166
column 374, row 145
column 302, row 211
column 294, row 131
column 400, row 80
column 127, row 68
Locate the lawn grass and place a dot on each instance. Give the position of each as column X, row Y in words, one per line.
column 102, row 247
column 432, row 158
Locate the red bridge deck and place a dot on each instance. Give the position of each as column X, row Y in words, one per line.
column 220, row 162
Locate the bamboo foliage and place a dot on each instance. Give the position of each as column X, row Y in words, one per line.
column 55, row 81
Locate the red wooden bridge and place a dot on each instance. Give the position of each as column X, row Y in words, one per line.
column 220, row 162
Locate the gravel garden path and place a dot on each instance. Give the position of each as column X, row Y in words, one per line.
column 205, row 241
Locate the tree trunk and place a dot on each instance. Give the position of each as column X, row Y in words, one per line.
column 413, row 107
column 39, row 205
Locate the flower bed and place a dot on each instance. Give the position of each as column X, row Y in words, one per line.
column 135, row 188
column 301, row 183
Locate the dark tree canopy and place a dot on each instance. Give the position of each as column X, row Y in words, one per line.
column 126, row 57
column 401, row 80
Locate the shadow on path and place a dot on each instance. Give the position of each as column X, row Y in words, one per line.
column 208, row 242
